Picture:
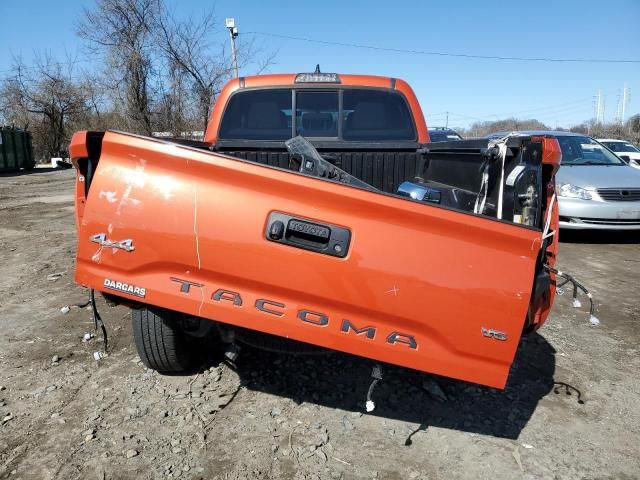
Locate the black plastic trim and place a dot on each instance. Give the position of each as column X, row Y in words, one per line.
column 308, row 234
column 94, row 149
column 320, row 143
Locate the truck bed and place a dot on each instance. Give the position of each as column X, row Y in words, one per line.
column 384, row 170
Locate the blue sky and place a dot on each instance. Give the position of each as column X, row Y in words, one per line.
column 470, row 89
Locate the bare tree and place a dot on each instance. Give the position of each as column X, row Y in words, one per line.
column 46, row 97
column 121, row 31
column 629, row 131
column 173, row 112
column 480, row 129
column 159, row 72
column 187, row 46
column 633, row 128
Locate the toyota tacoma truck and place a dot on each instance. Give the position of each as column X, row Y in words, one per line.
column 316, row 211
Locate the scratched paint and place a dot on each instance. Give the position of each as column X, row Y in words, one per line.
column 133, row 178
column 97, row 257
column 195, row 222
column 109, row 196
column 201, row 301
column 393, row 291
column 164, row 186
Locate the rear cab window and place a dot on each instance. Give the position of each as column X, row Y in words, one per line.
column 376, row 115
column 317, row 113
column 258, row 115
column 343, row 114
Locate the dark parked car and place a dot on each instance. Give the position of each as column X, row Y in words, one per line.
column 443, row 134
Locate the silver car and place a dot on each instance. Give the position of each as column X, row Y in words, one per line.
column 595, row 188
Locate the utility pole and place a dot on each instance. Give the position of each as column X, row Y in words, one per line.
column 230, row 23
column 599, row 109
column 625, row 100
column 447, row 121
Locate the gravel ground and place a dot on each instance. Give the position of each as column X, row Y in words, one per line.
column 571, row 408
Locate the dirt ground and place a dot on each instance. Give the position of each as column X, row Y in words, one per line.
column 571, row 408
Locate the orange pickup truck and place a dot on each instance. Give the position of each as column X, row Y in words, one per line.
column 316, row 211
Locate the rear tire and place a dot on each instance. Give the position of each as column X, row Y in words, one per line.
column 161, row 341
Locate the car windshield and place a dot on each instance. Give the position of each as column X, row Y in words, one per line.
column 585, row 151
column 621, row 147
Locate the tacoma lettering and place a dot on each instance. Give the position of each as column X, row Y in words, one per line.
column 227, row 295
column 319, row 319
column 397, row 337
column 185, row 285
column 260, row 305
column 316, row 318
column 370, row 332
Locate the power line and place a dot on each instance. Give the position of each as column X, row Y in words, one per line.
column 565, row 113
column 538, row 113
column 470, row 116
column 552, row 111
column 550, row 107
column 447, row 54
column 551, row 114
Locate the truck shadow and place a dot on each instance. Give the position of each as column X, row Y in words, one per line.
column 341, row 381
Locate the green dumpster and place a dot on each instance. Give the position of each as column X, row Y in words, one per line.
column 16, row 150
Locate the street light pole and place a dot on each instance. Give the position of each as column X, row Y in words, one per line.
column 230, row 23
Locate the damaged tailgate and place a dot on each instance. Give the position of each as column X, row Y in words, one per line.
column 373, row 275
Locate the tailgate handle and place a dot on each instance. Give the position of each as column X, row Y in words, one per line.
column 308, row 234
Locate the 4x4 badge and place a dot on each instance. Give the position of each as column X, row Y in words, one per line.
column 101, row 239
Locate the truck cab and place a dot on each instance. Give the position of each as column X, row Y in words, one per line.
column 370, row 125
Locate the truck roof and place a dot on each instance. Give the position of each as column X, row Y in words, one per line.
column 282, row 79
column 314, row 80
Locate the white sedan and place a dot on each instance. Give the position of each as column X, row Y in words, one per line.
column 625, row 150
